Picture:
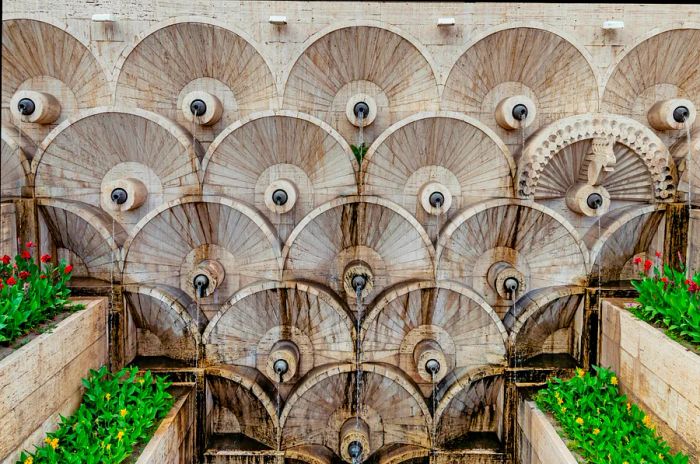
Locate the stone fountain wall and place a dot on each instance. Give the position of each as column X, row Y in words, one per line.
column 113, row 111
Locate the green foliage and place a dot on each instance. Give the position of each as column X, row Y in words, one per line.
column 119, row 412
column 668, row 298
column 31, row 294
column 600, row 422
column 359, row 152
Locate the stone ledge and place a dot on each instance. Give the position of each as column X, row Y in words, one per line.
column 42, row 379
column 657, row 373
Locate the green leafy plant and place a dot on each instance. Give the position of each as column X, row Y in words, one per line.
column 359, row 152
column 601, row 424
column 119, row 411
column 31, row 294
column 668, row 298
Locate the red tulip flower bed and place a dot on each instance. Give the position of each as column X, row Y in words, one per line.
column 31, row 293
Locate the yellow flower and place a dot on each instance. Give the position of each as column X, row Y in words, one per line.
column 141, row 381
column 54, row 443
column 629, row 406
column 661, row 456
column 107, row 396
column 579, row 372
column 109, row 445
column 556, row 394
column 563, row 410
column 123, row 412
column 120, row 434
column 47, row 440
column 647, row 421
column 560, row 401
column 579, row 421
column 625, row 462
column 596, row 431
column 29, row 460
column 613, row 380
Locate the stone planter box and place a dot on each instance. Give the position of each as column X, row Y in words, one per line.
column 173, row 440
column 657, row 373
column 42, row 379
column 538, row 440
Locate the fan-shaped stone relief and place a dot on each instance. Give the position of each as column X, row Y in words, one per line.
column 662, row 68
column 282, row 329
column 445, row 323
column 241, row 406
column 84, row 237
column 605, row 130
column 503, row 249
column 546, row 321
column 535, row 68
column 322, row 410
column 14, row 163
column 624, row 235
column 474, row 410
column 165, row 323
column 357, row 65
column 363, row 237
column 127, row 162
column 285, row 163
column 53, row 70
column 202, row 75
column 581, row 188
column 209, row 248
column 434, row 165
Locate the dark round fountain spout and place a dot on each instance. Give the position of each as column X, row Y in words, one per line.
column 681, row 114
column 511, row 285
column 594, row 200
column 432, row 367
column 361, row 108
column 281, row 367
column 198, row 107
column 355, row 450
column 359, row 282
column 436, row 199
column 279, row 197
column 520, row 112
column 200, row 282
column 119, row 196
column 26, row 106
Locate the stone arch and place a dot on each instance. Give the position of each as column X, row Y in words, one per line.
column 275, row 148
column 321, row 83
column 549, row 141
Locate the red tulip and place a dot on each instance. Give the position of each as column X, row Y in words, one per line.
column 26, row 255
column 68, row 269
column 664, row 279
column 6, row 259
column 30, row 244
column 693, row 287
column 638, row 260
column 45, row 258
column 42, row 276
column 647, row 265
column 11, row 281
column 658, row 254
column 1, row 285
column 23, row 275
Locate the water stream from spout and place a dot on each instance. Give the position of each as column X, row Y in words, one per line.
column 358, row 357
column 689, row 172
column 361, row 120
column 433, row 432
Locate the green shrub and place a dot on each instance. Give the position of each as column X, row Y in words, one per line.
column 601, row 424
column 31, row 294
column 668, row 298
column 119, row 411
